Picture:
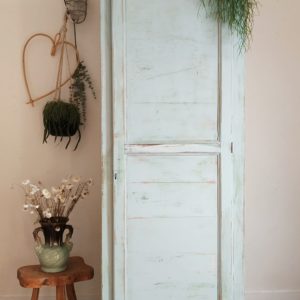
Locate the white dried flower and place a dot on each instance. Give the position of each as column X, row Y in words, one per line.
column 56, row 198
column 46, row 193
column 76, row 179
column 54, row 190
column 26, row 182
column 59, row 198
column 34, row 191
column 47, row 214
column 65, row 180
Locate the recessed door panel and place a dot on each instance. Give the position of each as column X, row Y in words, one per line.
column 171, row 71
column 172, row 227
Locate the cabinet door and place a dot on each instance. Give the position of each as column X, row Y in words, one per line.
column 177, row 93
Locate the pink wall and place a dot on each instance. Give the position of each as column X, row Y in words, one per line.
column 272, row 154
column 272, row 148
column 22, row 153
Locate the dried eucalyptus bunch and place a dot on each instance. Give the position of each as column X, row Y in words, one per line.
column 80, row 81
column 237, row 14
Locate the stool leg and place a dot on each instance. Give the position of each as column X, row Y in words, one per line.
column 35, row 294
column 71, row 292
column 60, row 293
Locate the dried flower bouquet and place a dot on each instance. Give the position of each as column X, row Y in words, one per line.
column 55, row 202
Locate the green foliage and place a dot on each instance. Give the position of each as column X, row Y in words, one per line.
column 238, row 14
column 61, row 119
column 80, row 81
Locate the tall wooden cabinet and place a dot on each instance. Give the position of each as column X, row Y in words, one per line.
column 172, row 134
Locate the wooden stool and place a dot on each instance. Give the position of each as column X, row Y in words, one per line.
column 33, row 277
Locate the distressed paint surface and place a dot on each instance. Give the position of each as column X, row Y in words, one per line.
column 157, row 186
column 177, row 186
column 166, row 228
column 106, row 154
column 146, row 199
column 172, row 72
column 170, row 280
column 199, row 169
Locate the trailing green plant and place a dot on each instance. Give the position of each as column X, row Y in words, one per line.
column 61, row 119
column 79, row 83
column 237, row 14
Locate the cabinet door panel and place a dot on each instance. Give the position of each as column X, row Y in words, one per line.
column 173, row 248
column 171, row 71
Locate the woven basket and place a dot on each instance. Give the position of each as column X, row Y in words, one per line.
column 77, row 10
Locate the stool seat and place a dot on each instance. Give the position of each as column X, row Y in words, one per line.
column 33, row 277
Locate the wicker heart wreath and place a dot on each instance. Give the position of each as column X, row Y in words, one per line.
column 55, row 44
column 61, row 119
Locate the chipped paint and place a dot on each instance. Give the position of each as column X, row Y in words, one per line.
column 177, row 210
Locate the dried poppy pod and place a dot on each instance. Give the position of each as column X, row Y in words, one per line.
column 77, row 9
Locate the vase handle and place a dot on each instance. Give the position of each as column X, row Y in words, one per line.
column 36, row 235
column 70, row 233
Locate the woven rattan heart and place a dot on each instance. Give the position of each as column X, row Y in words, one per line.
column 54, row 45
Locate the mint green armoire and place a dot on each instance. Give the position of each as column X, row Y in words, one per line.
column 172, row 150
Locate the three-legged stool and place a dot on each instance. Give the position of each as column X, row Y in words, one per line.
column 33, row 277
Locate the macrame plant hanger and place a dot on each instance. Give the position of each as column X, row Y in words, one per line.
column 62, row 39
column 61, row 118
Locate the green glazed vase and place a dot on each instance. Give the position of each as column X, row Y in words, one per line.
column 53, row 259
column 53, row 255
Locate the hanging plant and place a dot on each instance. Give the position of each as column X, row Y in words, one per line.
column 79, row 83
column 61, row 119
column 237, row 14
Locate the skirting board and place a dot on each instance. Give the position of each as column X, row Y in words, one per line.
column 273, row 295
column 41, row 297
column 250, row 295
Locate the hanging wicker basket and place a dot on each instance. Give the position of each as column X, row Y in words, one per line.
column 77, row 9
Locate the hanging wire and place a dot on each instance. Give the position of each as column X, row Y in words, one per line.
column 75, row 35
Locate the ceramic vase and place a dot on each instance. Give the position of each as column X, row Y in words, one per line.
column 54, row 253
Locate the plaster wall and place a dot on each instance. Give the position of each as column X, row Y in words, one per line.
column 272, row 154
column 22, row 153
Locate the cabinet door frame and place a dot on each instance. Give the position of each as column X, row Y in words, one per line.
column 113, row 164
